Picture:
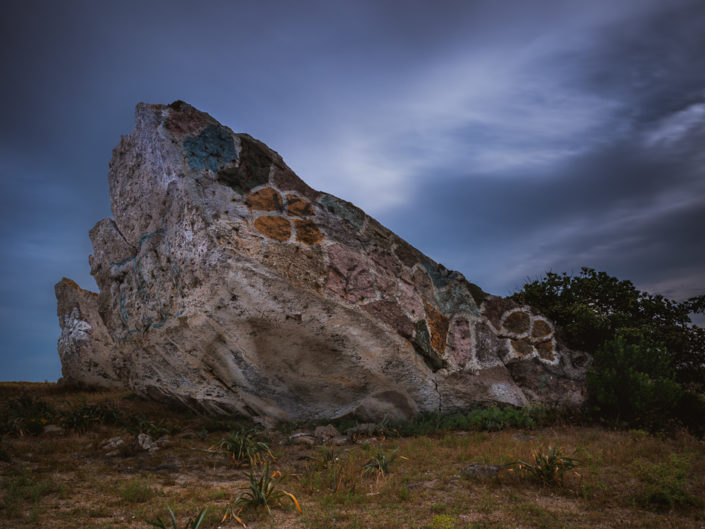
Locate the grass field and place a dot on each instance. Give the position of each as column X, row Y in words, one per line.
column 68, row 479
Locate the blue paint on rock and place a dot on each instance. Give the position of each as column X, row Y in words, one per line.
column 212, row 149
column 439, row 274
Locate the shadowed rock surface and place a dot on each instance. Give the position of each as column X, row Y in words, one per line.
column 229, row 285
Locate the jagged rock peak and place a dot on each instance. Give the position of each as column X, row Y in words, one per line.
column 229, row 285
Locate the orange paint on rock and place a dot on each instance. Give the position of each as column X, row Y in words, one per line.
column 546, row 350
column 307, row 232
column 522, row 347
column 438, row 324
column 266, row 199
column 298, row 206
column 541, row 329
column 517, row 322
column 276, row 228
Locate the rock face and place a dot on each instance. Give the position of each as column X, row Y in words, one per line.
column 228, row 284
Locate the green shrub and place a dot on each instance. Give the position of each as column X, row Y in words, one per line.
column 632, row 382
column 488, row 419
column 26, row 415
column 142, row 424
column 649, row 357
column 83, row 417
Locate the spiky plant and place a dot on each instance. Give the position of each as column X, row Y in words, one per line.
column 263, row 491
column 380, row 463
column 191, row 523
column 547, row 466
column 243, row 445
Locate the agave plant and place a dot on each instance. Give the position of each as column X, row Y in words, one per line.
column 243, row 445
column 263, row 491
column 548, row 466
column 191, row 523
column 380, row 463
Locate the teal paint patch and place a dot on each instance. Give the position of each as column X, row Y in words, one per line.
column 422, row 345
column 212, row 149
column 439, row 274
column 253, row 170
column 343, row 209
column 456, row 297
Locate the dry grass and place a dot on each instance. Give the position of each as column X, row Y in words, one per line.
column 626, row 479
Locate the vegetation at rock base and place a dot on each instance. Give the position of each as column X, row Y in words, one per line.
column 245, row 445
column 548, row 466
column 68, row 478
column 649, row 358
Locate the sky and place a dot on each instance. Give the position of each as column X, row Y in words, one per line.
column 503, row 138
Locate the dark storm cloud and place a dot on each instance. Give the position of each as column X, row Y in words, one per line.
column 502, row 138
column 632, row 203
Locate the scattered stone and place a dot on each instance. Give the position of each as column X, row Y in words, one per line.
column 339, row 440
column 326, row 433
column 112, row 446
column 228, row 285
column 53, row 428
column 145, row 442
column 302, row 438
column 481, row 471
column 112, row 443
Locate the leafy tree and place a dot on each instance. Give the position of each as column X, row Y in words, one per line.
column 649, row 358
column 591, row 308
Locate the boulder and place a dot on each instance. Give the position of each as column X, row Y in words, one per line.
column 229, row 285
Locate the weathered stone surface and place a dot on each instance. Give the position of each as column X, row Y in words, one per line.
column 229, row 285
column 85, row 346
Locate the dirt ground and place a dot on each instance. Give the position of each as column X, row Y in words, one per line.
column 80, row 475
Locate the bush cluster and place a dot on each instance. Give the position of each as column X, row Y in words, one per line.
column 649, row 358
column 27, row 415
column 488, row 419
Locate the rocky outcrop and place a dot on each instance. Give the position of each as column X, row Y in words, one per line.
column 228, row 284
column 86, row 348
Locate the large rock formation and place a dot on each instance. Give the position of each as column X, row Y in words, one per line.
column 228, row 284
